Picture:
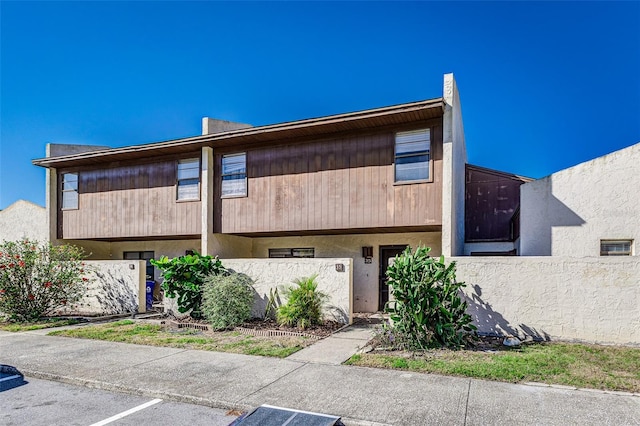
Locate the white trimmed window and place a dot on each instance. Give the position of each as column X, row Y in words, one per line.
column 412, row 155
column 234, row 175
column 188, row 179
column 615, row 247
column 291, row 252
column 69, row 191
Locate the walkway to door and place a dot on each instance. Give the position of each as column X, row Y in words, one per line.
column 341, row 345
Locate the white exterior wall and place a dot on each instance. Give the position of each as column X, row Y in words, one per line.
column 569, row 212
column 269, row 274
column 365, row 275
column 592, row 299
column 453, row 171
column 115, row 287
column 24, row 219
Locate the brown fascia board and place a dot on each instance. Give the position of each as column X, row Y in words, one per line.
column 500, row 173
column 245, row 136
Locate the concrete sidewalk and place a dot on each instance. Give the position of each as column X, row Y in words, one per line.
column 361, row 396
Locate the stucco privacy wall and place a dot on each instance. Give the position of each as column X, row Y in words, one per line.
column 365, row 275
column 275, row 273
column 23, row 219
column 592, row 299
column 569, row 212
column 115, row 287
column 454, row 159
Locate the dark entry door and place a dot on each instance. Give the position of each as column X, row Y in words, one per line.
column 386, row 253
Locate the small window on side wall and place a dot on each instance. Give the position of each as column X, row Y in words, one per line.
column 412, row 155
column 234, row 175
column 291, row 252
column 69, row 191
column 616, row 247
column 188, row 180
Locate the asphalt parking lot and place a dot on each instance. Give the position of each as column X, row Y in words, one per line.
column 46, row 403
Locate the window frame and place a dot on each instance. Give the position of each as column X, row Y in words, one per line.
column 615, row 252
column 428, row 153
column 292, row 252
column 75, row 190
column 180, row 180
column 223, row 175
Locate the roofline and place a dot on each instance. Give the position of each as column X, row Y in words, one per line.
column 501, row 173
column 229, row 135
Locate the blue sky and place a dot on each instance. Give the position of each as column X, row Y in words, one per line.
column 544, row 85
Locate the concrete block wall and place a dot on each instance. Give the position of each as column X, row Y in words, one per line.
column 591, row 299
column 270, row 274
column 114, row 287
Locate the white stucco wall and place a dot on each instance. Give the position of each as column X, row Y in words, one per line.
column 114, row 287
column 569, row 212
column 24, row 219
column 365, row 275
column 489, row 246
column 453, row 171
column 592, row 299
column 270, row 274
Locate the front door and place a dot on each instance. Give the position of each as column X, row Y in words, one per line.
column 386, row 253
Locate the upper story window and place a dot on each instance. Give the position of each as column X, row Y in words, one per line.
column 412, row 155
column 615, row 247
column 69, row 191
column 234, row 175
column 189, row 179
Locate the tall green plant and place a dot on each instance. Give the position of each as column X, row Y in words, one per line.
column 304, row 303
column 227, row 300
column 184, row 276
column 428, row 310
column 39, row 279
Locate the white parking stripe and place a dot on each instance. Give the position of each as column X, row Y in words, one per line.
column 126, row 413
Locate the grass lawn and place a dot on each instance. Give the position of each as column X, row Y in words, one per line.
column 579, row 365
column 17, row 326
column 129, row 331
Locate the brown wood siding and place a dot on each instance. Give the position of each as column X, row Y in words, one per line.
column 136, row 200
column 492, row 200
column 340, row 183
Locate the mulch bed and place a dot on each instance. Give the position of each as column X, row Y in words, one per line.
column 261, row 327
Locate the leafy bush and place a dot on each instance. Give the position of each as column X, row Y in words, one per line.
column 38, row 279
column 427, row 310
column 227, row 300
column 184, row 276
column 304, row 303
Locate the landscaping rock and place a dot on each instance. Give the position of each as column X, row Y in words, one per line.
column 511, row 341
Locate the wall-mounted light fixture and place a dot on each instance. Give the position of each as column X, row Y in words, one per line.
column 367, row 252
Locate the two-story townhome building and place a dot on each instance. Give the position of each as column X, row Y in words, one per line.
column 363, row 185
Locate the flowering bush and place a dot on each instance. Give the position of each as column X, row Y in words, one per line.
column 36, row 280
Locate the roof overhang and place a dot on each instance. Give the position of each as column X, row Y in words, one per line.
column 396, row 115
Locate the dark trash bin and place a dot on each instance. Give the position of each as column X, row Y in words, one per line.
column 150, row 287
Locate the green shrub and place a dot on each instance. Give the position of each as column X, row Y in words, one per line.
column 227, row 300
column 427, row 310
column 304, row 303
column 184, row 276
column 38, row 279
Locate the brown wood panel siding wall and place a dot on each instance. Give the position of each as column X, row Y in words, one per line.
column 340, row 183
column 492, row 199
column 136, row 200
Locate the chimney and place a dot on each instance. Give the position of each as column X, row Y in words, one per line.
column 213, row 125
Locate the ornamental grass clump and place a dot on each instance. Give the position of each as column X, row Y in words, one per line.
column 304, row 304
column 39, row 279
column 427, row 310
column 227, row 300
column 183, row 279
